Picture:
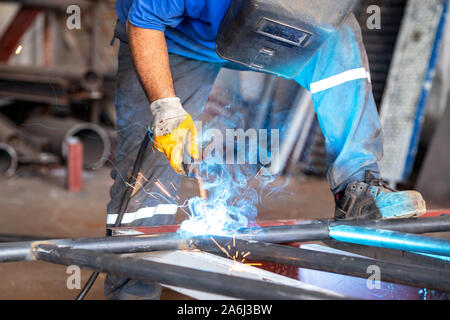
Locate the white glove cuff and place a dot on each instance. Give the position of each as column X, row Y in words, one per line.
column 168, row 113
column 167, row 108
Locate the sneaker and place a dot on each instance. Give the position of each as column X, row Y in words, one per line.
column 374, row 199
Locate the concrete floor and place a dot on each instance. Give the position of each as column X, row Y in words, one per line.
column 37, row 204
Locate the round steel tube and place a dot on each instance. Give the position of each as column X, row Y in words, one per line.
column 8, row 160
column 317, row 230
column 391, row 240
column 145, row 270
column 96, row 143
column 21, row 251
column 411, row 275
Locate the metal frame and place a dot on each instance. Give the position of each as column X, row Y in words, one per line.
column 411, row 274
column 100, row 255
column 312, row 231
column 145, row 270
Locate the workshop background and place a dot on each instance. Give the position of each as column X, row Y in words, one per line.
column 57, row 135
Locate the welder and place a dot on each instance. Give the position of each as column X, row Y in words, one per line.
column 170, row 54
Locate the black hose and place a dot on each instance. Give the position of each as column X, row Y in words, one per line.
column 88, row 286
column 123, row 206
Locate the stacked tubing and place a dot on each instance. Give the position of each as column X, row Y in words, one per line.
column 412, row 274
column 96, row 143
column 8, row 154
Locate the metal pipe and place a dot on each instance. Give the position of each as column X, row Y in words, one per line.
column 145, row 270
column 394, row 256
column 8, row 160
column 391, row 240
column 411, row 275
column 313, row 231
column 96, row 144
column 318, row 230
column 21, row 251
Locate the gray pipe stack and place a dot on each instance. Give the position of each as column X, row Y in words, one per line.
column 96, row 143
column 17, row 146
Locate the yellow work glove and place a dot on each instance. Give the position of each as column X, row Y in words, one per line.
column 173, row 131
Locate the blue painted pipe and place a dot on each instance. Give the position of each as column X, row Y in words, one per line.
column 390, row 239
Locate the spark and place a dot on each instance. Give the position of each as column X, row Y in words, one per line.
column 131, row 186
column 140, row 175
column 238, row 264
column 147, row 235
column 221, row 248
column 19, row 49
column 258, row 173
column 162, row 188
column 184, row 211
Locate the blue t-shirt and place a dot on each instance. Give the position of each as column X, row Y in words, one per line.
column 190, row 26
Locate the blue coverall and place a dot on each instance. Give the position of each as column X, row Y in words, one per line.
column 338, row 77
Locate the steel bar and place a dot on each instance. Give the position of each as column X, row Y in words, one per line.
column 145, row 270
column 395, row 256
column 330, row 262
column 21, row 251
column 313, row 231
column 391, row 240
column 317, row 230
column 43, row 85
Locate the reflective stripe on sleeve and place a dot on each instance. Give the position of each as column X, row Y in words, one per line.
column 339, row 79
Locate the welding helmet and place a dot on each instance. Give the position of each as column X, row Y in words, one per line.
column 278, row 36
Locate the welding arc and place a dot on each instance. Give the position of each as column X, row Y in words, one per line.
column 411, row 274
column 190, row 278
column 123, row 206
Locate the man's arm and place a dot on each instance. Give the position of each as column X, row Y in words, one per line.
column 151, row 59
column 172, row 126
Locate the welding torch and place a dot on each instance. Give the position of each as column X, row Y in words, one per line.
column 192, row 168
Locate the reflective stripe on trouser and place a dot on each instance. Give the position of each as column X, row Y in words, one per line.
column 193, row 81
column 339, row 80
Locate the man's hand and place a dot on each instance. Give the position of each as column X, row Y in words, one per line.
column 174, row 131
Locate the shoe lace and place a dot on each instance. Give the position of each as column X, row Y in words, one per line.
column 381, row 183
